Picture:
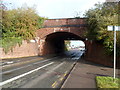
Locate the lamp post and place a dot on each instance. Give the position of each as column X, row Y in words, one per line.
column 114, row 28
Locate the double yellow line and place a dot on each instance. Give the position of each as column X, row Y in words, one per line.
column 60, row 79
column 54, row 84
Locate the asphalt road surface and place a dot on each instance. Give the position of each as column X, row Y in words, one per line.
column 38, row 72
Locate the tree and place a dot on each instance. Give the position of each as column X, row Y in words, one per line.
column 98, row 19
column 67, row 44
column 19, row 24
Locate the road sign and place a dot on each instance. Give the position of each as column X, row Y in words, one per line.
column 117, row 28
column 112, row 28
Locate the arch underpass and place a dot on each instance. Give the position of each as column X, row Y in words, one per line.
column 55, row 31
column 50, row 38
column 54, row 43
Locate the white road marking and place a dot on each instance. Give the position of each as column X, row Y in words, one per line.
column 24, row 66
column 75, row 58
column 22, row 75
column 9, row 62
column 18, row 62
column 38, row 79
column 2, row 63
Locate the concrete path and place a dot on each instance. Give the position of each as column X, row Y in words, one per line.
column 84, row 73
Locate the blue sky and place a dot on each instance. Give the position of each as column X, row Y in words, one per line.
column 55, row 8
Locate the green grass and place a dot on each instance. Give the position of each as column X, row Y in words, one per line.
column 108, row 82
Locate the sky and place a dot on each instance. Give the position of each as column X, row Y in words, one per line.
column 77, row 43
column 55, row 8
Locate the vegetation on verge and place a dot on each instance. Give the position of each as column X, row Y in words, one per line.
column 17, row 25
column 67, row 45
column 107, row 82
column 98, row 18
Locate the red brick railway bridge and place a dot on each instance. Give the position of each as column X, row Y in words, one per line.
column 51, row 39
column 55, row 31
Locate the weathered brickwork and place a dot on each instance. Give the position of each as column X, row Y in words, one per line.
column 96, row 53
column 69, row 21
column 26, row 49
column 76, row 26
column 50, row 26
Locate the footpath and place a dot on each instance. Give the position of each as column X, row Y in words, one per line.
column 84, row 73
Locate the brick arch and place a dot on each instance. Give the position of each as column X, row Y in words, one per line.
column 72, row 25
column 76, row 28
column 54, row 42
column 64, row 35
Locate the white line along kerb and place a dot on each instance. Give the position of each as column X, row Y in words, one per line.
column 22, row 75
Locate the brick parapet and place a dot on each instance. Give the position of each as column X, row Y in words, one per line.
column 69, row 21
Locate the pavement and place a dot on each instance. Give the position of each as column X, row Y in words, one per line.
column 84, row 73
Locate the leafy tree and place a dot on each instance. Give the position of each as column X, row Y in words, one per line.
column 67, row 44
column 19, row 24
column 98, row 19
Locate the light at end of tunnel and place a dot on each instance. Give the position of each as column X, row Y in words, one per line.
column 74, row 44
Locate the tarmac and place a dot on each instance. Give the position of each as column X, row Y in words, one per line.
column 84, row 73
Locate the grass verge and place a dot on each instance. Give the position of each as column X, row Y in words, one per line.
column 108, row 82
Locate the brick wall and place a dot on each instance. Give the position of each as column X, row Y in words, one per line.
column 26, row 49
column 69, row 21
column 79, row 31
column 96, row 53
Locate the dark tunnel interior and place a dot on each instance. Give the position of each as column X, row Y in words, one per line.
column 54, row 42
